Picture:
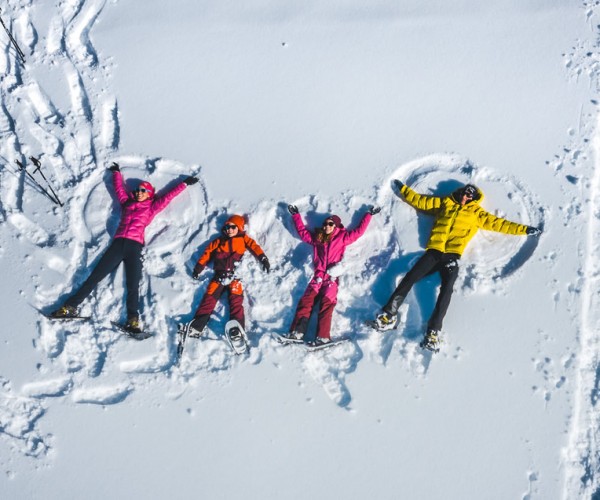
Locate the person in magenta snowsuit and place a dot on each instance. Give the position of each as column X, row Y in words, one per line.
column 329, row 244
column 138, row 209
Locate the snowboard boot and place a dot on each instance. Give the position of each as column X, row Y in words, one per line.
column 133, row 325
column 319, row 341
column 294, row 337
column 432, row 340
column 65, row 312
column 385, row 321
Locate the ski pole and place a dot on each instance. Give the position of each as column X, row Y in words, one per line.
column 38, row 168
column 22, row 168
column 13, row 41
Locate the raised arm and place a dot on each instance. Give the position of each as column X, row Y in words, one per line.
column 357, row 232
column 162, row 201
column 303, row 232
column 119, row 186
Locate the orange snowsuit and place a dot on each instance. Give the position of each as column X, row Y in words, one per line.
column 225, row 254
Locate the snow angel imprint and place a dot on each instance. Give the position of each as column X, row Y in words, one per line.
column 138, row 209
column 458, row 217
column 329, row 244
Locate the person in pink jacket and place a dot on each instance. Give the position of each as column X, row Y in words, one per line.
column 138, row 209
column 329, row 244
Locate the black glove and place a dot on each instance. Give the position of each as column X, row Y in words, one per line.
column 374, row 210
column 398, row 184
column 293, row 209
column 533, row 231
column 114, row 167
column 197, row 270
column 190, row 180
column 264, row 262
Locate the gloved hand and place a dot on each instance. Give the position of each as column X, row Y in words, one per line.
column 190, row 180
column 398, row 184
column 197, row 270
column 533, row 231
column 264, row 262
column 374, row 210
column 114, row 167
column 293, row 209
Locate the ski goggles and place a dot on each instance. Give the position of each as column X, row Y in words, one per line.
column 470, row 191
column 226, row 227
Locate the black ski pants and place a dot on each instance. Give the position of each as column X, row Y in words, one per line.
column 120, row 250
column 431, row 261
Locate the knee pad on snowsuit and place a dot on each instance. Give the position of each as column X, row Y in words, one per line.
column 236, row 288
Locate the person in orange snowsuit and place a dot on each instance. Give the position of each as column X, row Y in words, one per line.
column 225, row 252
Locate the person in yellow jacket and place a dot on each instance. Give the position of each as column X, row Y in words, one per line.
column 457, row 218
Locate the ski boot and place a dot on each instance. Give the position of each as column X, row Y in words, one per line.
column 432, row 341
column 64, row 312
column 293, row 337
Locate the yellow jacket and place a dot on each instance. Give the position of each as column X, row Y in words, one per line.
column 456, row 224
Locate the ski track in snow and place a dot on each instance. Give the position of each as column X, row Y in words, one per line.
column 90, row 363
column 582, row 452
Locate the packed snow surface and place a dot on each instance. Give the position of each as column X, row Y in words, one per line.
column 321, row 105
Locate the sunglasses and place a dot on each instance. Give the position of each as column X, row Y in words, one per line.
column 141, row 190
column 229, row 226
column 329, row 223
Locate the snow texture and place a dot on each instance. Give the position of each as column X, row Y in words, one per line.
column 507, row 409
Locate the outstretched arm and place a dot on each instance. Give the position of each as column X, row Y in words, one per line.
column 258, row 252
column 423, row 202
column 255, row 248
column 492, row 223
column 162, row 201
column 205, row 258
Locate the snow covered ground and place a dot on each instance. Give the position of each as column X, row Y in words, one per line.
column 320, row 104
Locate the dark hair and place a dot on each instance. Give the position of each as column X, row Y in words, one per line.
column 322, row 236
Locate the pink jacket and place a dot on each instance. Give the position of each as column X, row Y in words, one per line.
column 135, row 216
column 326, row 255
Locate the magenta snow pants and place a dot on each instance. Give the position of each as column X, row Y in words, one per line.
column 321, row 290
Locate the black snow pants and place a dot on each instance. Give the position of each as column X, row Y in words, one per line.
column 120, row 250
column 431, row 261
